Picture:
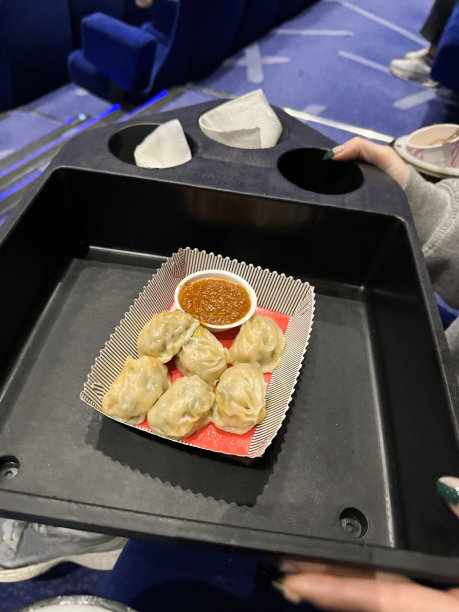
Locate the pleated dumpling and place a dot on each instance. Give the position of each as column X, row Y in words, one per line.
column 135, row 390
column 203, row 355
column 183, row 409
column 165, row 334
column 260, row 341
column 240, row 399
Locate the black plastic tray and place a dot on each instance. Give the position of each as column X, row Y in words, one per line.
column 373, row 423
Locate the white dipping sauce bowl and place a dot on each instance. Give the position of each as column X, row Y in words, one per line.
column 219, row 274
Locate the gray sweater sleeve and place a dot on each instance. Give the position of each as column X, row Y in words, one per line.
column 435, row 210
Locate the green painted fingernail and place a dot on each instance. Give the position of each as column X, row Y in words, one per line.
column 328, row 154
column 448, row 488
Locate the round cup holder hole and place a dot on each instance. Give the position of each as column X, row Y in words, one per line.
column 9, row 467
column 307, row 169
column 353, row 522
column 123, row 143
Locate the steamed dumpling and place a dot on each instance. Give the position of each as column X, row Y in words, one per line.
column 183, row 409
column 203, row 355
column 134, row 391
column 165, row 334
column 240, row 399
column 261, row 341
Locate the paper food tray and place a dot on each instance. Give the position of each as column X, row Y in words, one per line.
column 288, row 301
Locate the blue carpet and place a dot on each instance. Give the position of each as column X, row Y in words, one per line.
column 335, row 60
column 188, row 98
column 69, row 101
column 20, row 128
column 66, row 579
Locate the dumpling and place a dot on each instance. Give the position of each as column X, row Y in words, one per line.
column 183, row 409
column 134, row 391
column 203, row 355
column 240, row 399
column 165, row 334
column 260, row 340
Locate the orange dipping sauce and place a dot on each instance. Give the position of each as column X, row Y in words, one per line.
column 215, row 300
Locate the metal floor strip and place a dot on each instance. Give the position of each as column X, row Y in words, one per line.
column 30, row 162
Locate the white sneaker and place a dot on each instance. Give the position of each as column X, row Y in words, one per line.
column 30, row 549
column 415, row 69
column 418, row 54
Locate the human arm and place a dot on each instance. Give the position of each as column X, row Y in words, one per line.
column 434, row 207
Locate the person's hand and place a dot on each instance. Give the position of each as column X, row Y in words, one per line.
column 344, row 589
column 381, row 156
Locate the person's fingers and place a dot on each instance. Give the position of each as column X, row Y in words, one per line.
column 291, row 566
column 365, row 595
column 448, row 488
column 381, row 156
column 454, row 593
column 359, row 148
column 298, row 567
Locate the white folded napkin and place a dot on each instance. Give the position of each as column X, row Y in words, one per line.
column 247, row 122
column 165, row 147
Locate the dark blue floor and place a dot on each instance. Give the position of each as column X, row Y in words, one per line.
column 334, row 58
column 331, row 62
column 65, row 579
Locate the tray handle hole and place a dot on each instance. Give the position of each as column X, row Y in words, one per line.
column 9, row 467
column 353, row 522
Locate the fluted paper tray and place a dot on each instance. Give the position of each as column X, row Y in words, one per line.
column 288, row 301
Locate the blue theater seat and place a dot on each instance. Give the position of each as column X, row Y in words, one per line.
column 95, row 81
column 445, row 68
column 123, row 52
column 220, row 23
column 37, row 37
column 35, row 41
column 261, row 15
column 289, row 8
column 258, row 18
column 125, row 10
column 201, row 38
column 190, row 38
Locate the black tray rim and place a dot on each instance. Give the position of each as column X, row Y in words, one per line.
column 113, row 520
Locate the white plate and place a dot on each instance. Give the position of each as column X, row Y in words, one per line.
column 422, row 166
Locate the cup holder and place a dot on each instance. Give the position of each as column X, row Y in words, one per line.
column 123, row 143
column 307, row 169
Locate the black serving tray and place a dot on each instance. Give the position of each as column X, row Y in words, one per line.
column 373, row 423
